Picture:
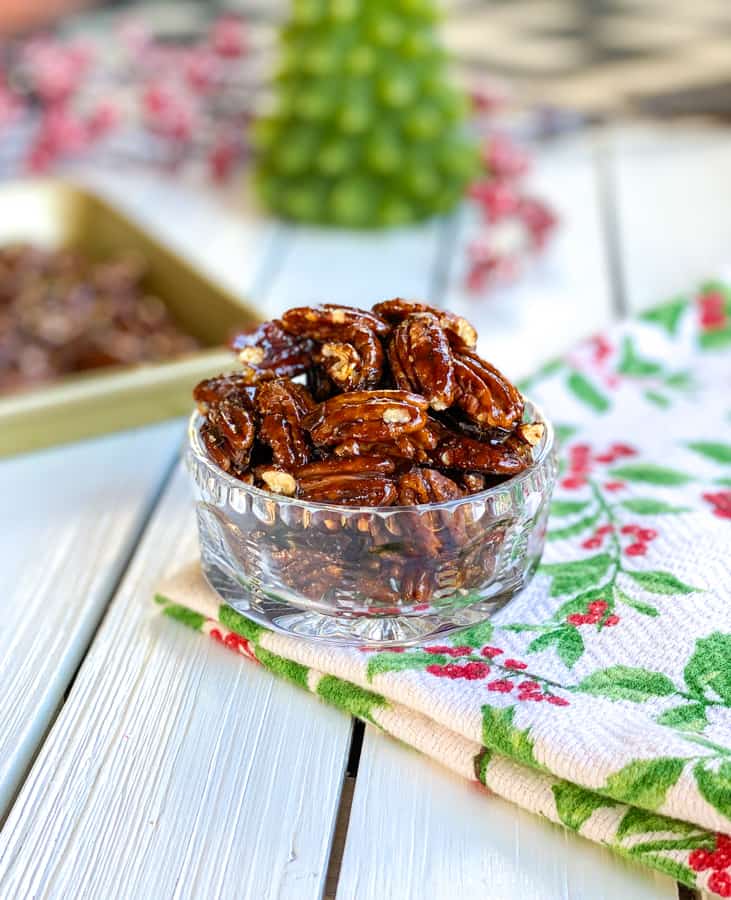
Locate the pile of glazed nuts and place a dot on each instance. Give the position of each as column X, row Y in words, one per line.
column 61, row 312
column 396, row 408
column 393, row 408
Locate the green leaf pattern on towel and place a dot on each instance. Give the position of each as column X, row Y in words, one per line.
column 597, row 589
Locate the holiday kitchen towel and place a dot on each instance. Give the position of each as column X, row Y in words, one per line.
column 600, row 697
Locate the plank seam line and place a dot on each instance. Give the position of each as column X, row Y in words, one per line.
column 441, row 267
column 345, row 802
column 606, row 186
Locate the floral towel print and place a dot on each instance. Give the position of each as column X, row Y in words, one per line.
column 600, row 697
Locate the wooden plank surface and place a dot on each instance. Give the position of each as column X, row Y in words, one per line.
column 71, row 518
column 175, row 769
column 416, row 831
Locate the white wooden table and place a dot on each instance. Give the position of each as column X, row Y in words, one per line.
column 138, row 760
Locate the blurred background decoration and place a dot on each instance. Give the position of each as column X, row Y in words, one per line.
column 367, row 128
column 176, row 85
column 361, row 121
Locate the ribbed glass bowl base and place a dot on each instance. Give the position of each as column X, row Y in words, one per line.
column 369, row 631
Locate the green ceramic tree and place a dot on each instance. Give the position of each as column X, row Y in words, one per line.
column 366, row 130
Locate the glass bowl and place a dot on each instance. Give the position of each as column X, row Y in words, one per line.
column 373, row 576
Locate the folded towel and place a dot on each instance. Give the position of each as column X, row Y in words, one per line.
column 600, row 696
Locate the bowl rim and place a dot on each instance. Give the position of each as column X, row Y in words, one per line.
column 196, row 449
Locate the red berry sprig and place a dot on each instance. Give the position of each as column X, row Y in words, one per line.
column 596, row 612
column 641, row 538
column 186, row 100
column 471, row 670
column 719, row 861
column 516, row 224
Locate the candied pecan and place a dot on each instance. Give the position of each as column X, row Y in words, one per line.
column 396, row 310
column 484, row 394
column 369, row 416
column 303, row 319
column 331, row 324
column 362, row 465
column 457, row 451
column 233, row 420
column 312, row 574
column 212, row 390
column 417, row 584
column 413, row 447
column 220, row 452
column 363, row 481
column 421, row 359
column 270, row 351
column 426, row 486
column 217, row 447
column 436, row 529
column 282, row 407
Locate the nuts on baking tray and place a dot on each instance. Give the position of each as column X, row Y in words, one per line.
column 61, row 312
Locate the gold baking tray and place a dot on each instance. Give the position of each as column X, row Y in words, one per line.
column 59, row 214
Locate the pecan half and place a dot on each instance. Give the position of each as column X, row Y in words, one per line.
column 456, row 451
column 467, row 454
column 270, row 351
column 435, row 529
column 369, row 416
column 426, row 486
column 233, row 420
column 484, row 394
column 283, row 406
column 396, row 310
column 312, row 574
column 212, row 390
column 331, row 324
column 421, row 359
column 362, row 465
column 220, row 451
column 364, row 481
column 417, row 584
column 413, row 447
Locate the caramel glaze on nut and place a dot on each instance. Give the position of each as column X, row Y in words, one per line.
column 398, row 409
column 421, row 359
column 338, row 327
column 282, row 407
column 395, row 311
